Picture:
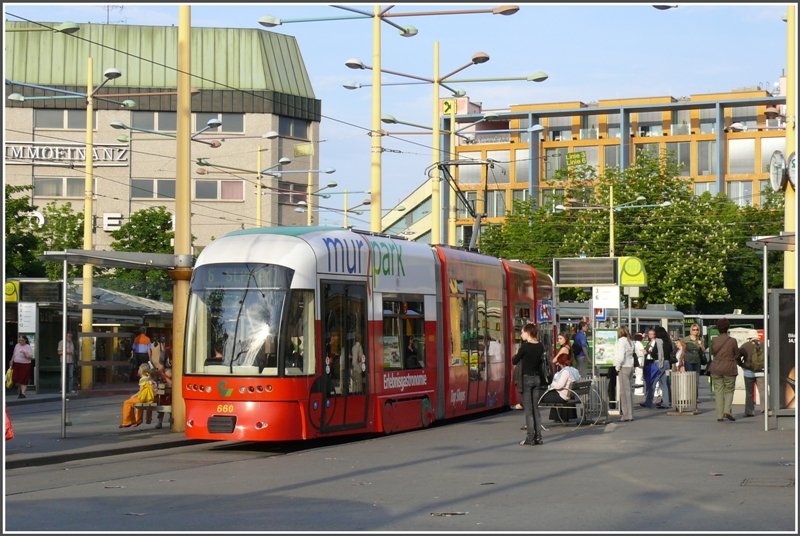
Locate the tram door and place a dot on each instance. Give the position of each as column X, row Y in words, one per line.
column 476, row 343
column 345, row 363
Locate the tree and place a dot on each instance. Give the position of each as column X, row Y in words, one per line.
column 148, row 230
column 21, row 239
column 693, row 250
column 62, row 230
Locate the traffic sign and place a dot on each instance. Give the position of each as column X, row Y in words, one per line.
column 449, row 106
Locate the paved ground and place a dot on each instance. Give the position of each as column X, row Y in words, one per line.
column 659, row 473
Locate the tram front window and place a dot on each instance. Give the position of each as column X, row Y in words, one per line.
column 238, row 319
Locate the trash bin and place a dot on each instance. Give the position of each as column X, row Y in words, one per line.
column 684, row 391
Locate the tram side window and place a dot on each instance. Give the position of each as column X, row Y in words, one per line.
column 403, row 334
column 299, row 338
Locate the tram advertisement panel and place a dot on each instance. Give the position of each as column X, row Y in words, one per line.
column 389, row 265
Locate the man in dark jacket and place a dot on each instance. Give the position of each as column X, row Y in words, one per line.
column 723, row 369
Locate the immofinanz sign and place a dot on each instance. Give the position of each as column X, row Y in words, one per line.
column 65, row 153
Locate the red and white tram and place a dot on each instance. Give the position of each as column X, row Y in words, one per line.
column 298, row 333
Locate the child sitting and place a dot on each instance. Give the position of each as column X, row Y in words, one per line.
column 146, row 394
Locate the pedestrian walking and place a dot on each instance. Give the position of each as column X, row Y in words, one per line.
column 751, row 359
column 723, row 370
column 21, row 363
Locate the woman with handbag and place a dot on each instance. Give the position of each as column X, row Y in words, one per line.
column 624, row 352
column 21, row 361
column 531, row 355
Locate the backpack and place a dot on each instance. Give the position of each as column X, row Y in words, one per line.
column 757, row 358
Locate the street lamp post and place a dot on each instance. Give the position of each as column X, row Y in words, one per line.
column 443, row 81
column 382, row 15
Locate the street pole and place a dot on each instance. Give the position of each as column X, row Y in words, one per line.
column 310, row 181
column 344, row 219
column 790, row 195
column 88, row 188
column 376, row 155
column 436, row 198
column 611, row 221
column 183, row 259
column 64, row 350
column 451, row 199
column 258, row 187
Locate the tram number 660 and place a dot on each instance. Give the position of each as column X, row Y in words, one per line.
column 225, row 408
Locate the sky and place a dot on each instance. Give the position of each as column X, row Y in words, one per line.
column 590, row 51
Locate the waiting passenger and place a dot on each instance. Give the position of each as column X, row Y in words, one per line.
column 559, row 391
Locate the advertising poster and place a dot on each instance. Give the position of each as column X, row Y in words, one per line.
column 605, row 340
column 391, row 352
column 787, row 368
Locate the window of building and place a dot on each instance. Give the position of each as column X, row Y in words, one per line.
column 153, row 189
column 702, row 187
column 559, row 128
column 463, row 235
column 469, row 174
column 496, row 203
column 769, row 146
column 62, row 119
column 501, row 172
column 650, row 149
column 764, row 188
column 741, row 192
column 552, row 197
column 612, row 126
column 681, row 122
column 680, row 153
column 158, row 121
column 611, row 155
column 224, row 190
column 706, row 158
column 554, row 159
column 290, row 193
column 589, row 127
column 289, row 127
column 708, row 120
column 746, row 115
column 59, row 187
column 230, row 122
column 471, row 198
column 591, row 153
column 649, row 124
column 403, row 333
column 518, row 195
column 741, row 156
column 522, row 165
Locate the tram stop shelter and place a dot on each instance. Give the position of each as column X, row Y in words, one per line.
column 114, row 259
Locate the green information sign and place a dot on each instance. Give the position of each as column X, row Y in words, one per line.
column 576, row 158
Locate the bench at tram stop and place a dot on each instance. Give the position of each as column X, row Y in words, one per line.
column 579, row 398
column 161, row 405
